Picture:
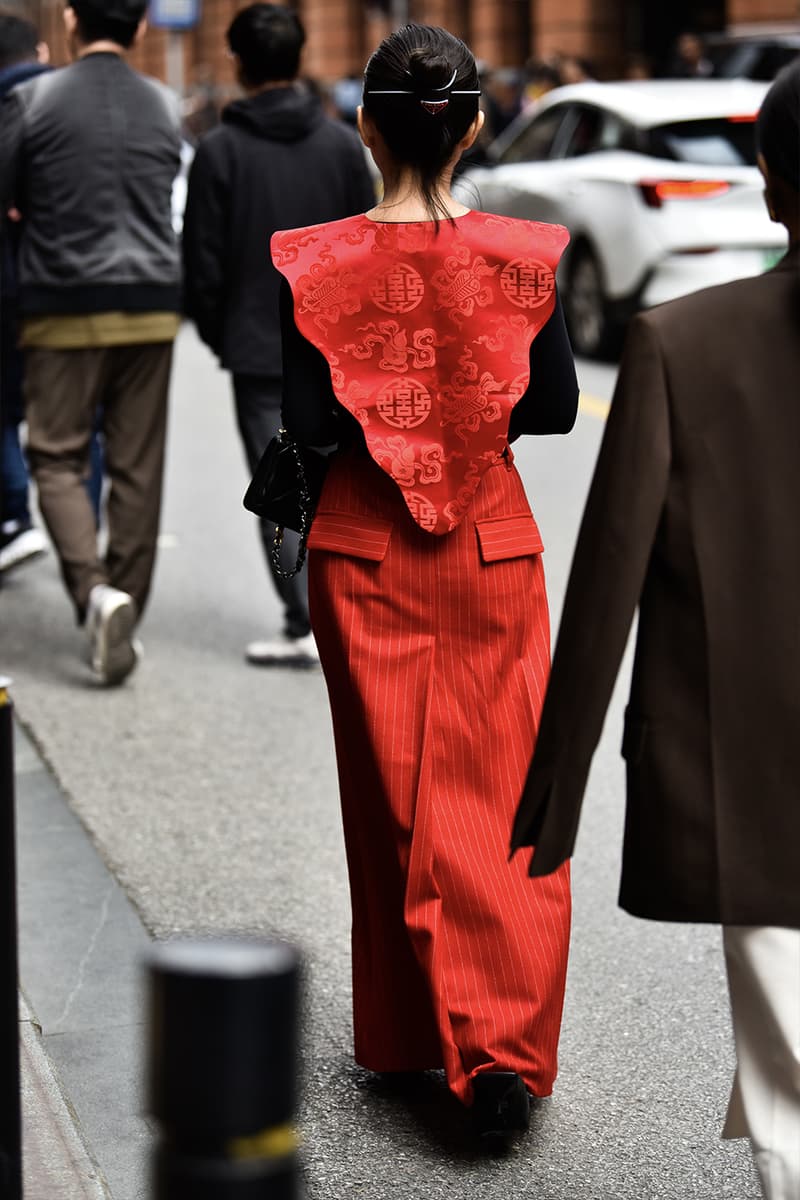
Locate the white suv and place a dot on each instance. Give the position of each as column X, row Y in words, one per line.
column 656, row 182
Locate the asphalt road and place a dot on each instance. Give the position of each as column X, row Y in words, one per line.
column 207, row 788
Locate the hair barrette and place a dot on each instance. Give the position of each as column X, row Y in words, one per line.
column 432, row 104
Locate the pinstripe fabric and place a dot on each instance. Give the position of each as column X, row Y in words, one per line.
column 352, row 535
column 508, row 537
column 436, row 660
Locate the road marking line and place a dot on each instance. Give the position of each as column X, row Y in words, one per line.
column 594, row 405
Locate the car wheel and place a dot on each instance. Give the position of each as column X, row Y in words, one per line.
column 592, row 330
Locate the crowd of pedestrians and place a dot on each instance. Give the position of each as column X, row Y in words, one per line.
column 416, row 340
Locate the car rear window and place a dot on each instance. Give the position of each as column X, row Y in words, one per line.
column 716, row 142
column 755, row 60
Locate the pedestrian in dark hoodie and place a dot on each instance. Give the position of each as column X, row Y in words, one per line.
column 275, row 162
column 22, row 55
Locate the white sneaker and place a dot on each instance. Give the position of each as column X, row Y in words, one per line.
column 284, row 651
column 110, row 621
column 20, row 543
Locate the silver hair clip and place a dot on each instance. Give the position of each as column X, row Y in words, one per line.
column 430, row 104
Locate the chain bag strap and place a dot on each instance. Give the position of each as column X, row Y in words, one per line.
column 306, row 514
column 284, row 490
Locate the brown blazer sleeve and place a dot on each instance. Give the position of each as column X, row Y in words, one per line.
column 611, row 557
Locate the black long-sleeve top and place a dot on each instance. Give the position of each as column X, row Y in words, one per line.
column 313, row 415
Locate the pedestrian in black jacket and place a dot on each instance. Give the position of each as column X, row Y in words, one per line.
column 275, row 162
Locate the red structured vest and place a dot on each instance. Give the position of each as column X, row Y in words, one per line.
column 427, row 336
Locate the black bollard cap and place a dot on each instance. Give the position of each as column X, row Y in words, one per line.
column 224, row 1025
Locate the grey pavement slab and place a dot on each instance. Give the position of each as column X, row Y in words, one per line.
column 207, row 789
column 56, row 1160
column 80, row 946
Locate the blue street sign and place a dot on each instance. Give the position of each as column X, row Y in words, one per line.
column 174, row 14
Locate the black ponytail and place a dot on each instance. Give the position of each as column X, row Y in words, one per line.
column 421, row 89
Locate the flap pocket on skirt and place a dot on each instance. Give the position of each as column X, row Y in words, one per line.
column 508, row 537
column 363, row 537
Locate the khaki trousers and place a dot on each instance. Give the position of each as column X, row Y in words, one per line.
column 63, row 391
column 763, row 966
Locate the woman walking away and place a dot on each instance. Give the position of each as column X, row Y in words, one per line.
column 421, row 338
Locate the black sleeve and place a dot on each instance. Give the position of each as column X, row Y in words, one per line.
column 204, row 245
column 11, row 136
column 309, row 408
column 550, row 402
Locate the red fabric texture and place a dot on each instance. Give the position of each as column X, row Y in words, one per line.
column 427, row 335
column 436, row 656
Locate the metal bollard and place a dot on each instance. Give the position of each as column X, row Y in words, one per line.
column 10, row 1116
column 222, row 1069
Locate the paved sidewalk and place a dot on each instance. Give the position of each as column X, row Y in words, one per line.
column 80, row 946
column 56, row 1161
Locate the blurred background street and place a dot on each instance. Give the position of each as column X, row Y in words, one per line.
column 207, row 788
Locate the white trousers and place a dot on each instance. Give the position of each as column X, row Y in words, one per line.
column 763, row 966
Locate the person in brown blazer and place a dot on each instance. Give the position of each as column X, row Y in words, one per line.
column 692, row 516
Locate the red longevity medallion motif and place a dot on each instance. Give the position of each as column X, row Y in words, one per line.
column 427, row 335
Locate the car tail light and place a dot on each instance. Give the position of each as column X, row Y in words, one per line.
column 745, row 119
column 656, row 191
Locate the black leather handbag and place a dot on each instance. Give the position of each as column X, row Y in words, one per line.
column 286, row 489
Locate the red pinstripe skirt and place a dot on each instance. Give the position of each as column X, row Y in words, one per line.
column 436, row 655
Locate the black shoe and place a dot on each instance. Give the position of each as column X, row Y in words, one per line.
column 501, row 1106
